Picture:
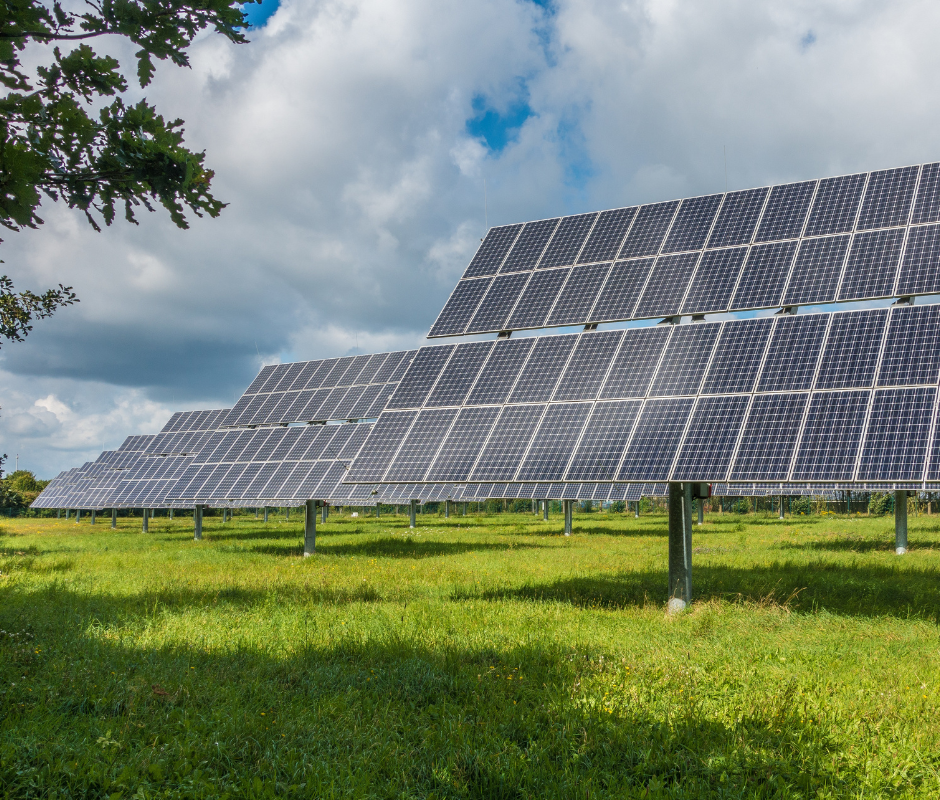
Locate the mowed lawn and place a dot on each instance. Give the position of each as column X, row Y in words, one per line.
column 478, row 657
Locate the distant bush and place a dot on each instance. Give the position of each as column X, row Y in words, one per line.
column 802, row 505
column 618, row 506
column 742, row 505
column 880, row 503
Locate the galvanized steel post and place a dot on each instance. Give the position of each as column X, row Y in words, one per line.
column 680, row 546
column 900, row 522
column 310, row 527
column 197, row 522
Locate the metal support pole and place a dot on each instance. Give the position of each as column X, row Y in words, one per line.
column 197, row 522
column 171, row 513
column 680, row 546
column 900, row 522
column 701, row 511
column 93, row 516
column 378, row 510
column 781, row 506
column 545, row 509
column 465, row 509
column 310, row 527
column 113, row 518
column 287, row 514
column 265, row 513
column 447, row 509
column 78, row 515
column 567, row 508
column 412, row 510
column 636, row 509
column 67, row 514
column 58, row 513
column 152, row 513
column 324, row 512
column 146, row 525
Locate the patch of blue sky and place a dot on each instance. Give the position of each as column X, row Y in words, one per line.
column 257, row 14
column 808, row 39
column 497, row 128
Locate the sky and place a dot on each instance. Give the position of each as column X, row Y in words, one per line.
column 363, row 147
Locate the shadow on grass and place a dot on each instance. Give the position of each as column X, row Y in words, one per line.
column 390, row 715
column 394, row 548
column 869, row 591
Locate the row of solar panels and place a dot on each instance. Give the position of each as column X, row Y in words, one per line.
column 840, row 238
column 350, row 388
column 785, row 399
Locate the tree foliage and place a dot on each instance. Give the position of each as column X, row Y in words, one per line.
column 66, row 132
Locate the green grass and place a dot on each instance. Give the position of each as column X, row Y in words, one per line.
column 477, row 657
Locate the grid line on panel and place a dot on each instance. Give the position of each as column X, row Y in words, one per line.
column 790, row 203
column 552, row 454
column 764, row 275
column 714, row 280
column 931, row 441
column 537, row 299
column 693, row 223
column 625, row 379
column 853, row 349
column 892, row 199
column 578, row 295
column 499, row 302
column 831, row 436
column 620, row 293
column 814, row 276
column 895, row 439
column 529, row 245
column 686, row 359
column 603, row 440
column 744, row 210
column 712, row 435
column 607, row 235
column 912, row 348
column 568, row 240
column 739, row 356
column 836, row 205
column 926, row 205
column 653, row 221
column 492, row 250
column 796, row 346
column 919, row 271
column 769, row 437
column 871, row 269
column 588, row 366
column 460, row 307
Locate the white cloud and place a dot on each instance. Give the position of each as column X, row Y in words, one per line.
column 339, row 139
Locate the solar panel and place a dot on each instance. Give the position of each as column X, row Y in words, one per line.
column 420, row 445
column 713, row 433
column 831, row 436
column 492, row 251
column 546, row 362
column 769, row 437
column 508, row 441
column 912, row 347
column 632, row 370
column 457, row 377
column 898, row 432
column 420, row 377
column 588, row 366
column 852, row 349
column 502, row 371
column 738, row 356
column 605, row 436
column 866, row 216
column 685, row 360
column 460, row 448
column 654, row 443
column 554, row 442
column 793, row 353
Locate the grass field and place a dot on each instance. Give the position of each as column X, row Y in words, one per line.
column 478, row 657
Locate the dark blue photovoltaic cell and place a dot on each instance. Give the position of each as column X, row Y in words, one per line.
column 458, row 376
column 769, row 437
column 656, row 438
column 543, row 369
column 793, row 353
column 554, row 441
column 501, row 371
column 888, row 198
column 662, row 296
column 912, row 347
column 567, row 241
column 578, row 295
column 420, row 377
column 381, row 446
column 498, row 303
column 607, row 236
column 715, row 278
column 648, row 230
column 711, row 438
column 588, row 366
column 603, row 441
column 764, row 276
column 927, row 203
column 639, row 356
column 529, row 246
column 920, row 268
column 816, row 271
column 873, row 264
column 852, row 349
column 831, row 437
column 508, row 442
column 460, row 307
column 738, row 356
column 785, row 212
column 538, row 297
column 693, row 224
column 738, row 218
column 898, row 431
column 619, row 295
column 684, row 362
column 460, row 449
column 836, row 205
column 419, row 447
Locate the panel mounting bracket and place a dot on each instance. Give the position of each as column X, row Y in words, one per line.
column 504, row 334
column 670, row 320
column 906, row 300
column 591, row 326
column 786, row 311
column 698, row 318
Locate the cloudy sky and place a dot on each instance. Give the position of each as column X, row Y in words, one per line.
column 352, row 140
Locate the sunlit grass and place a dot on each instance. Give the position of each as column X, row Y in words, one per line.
column 480, row 656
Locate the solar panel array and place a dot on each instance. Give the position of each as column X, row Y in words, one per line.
column 349, row 388
column 847, row 238
column 845, row 399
